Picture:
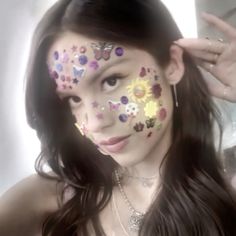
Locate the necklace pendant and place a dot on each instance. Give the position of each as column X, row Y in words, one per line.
column 135, row 221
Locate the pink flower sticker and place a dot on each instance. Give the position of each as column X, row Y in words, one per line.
column 162, row 114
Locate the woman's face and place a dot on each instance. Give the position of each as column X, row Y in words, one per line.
column 118, row 94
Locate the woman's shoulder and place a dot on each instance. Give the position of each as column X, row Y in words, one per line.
column 27, row 204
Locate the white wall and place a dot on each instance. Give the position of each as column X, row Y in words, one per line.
column 19, row 146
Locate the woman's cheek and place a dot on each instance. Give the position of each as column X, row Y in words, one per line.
column 142, row 107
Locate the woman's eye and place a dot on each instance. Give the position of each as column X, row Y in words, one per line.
column 72, row 100
column 111, row 82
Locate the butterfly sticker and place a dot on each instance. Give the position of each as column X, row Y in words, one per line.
column 114, row 106
column 102, row 50
column 78, row 71
column 150, row 123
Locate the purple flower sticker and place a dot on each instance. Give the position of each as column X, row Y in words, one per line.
column 119, row 51
column 56, row 55
column 94, row 65
column 156, row 90
column 162, row 114
column 123, row 118
column 124, row 100
column 142, row 72
column 54, row 75
column 83, row 60
column 63, row 78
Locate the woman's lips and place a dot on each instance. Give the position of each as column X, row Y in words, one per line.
column 115, row 144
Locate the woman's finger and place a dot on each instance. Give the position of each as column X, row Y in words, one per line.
column 204, row 55
column 211, row 68
column 219, row 90
column 207, row 45
column 224, row 27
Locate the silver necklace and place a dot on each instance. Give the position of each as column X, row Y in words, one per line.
column 136, row 217
column 118, row 215
column 145, row 181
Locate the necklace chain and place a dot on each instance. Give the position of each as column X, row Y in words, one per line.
column 142, row 178
column 118, row 215
column 136, row 217
column 146, row 182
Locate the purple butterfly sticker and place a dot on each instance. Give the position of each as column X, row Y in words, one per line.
column 102, row 50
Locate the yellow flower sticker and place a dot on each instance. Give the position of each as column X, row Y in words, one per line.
column 139, row 90
column 151, row 109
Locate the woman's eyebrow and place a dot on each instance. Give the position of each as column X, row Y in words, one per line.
column 106, row 67
column 95, row 75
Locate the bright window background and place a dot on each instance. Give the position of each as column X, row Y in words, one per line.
column 184, row 13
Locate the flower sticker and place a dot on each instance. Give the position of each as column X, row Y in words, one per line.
column 151, row 109
column 132, row 109
column 139, row 90
column 143, row 72
column 139, row 127
column 156, row 90
column 162, row 114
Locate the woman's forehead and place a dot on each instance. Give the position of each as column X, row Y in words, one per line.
column 75, row 55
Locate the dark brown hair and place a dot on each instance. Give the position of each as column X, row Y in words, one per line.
column 195, row 198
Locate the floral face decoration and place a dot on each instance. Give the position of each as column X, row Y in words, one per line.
column 76, row 58
column 140, row 106
column 143, row 96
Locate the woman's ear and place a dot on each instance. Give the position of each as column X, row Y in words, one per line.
column 175, row 69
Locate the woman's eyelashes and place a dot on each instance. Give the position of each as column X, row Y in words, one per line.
column 112, row 82
column 72, row 100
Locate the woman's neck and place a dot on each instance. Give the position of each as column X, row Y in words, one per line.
column 142, row 182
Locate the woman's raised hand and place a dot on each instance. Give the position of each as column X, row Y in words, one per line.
column 217, row 57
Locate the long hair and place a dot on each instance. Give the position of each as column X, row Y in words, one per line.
column 195, row 199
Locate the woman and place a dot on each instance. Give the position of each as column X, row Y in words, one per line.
column 126, row 124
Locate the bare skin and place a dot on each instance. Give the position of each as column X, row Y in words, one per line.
column 26, row 205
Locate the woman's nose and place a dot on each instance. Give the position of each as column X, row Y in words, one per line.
column 98, row 117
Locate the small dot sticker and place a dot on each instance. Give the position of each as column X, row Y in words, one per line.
column 83, row 60
column 83, row 49
column 59, row 67
column 56, row 55
column 55, row 75
column 124, row 100
column 123, row 118
column 119, row 51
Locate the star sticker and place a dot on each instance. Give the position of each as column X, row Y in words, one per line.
column 100, row 116
column 75, row 81
column 95, row 104
column 74, row 48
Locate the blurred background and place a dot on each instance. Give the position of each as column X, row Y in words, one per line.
column 19, row 145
